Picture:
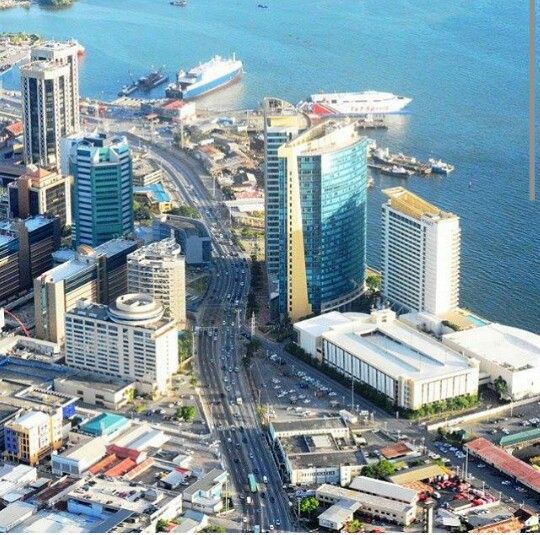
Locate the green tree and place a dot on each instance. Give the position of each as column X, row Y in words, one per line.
column 373, row 282
column 211, row 528
column 161, row 525
column 186, row 211
column 501, row 387
column 188, row 413
column 354, row 526
column 380, row 470
column 308, row 506
column 184, row 346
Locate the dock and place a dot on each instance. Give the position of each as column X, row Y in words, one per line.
column 380, row 158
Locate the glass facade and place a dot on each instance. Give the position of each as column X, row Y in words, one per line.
column 333, row 197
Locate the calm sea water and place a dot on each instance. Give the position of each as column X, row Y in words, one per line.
column 463, row 62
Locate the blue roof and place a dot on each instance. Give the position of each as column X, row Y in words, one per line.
column 157, row 191
column 104, row 424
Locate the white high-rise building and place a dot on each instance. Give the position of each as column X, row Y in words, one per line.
column 130, row 339
column 159, row 269
column 420, row 253
column 50, row 91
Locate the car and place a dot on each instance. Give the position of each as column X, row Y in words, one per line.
column 251, row 455
column 480, row 465
column 278, row 522
column 506, row 482
column 271, row 527
column 244, row 440
column 263, row 495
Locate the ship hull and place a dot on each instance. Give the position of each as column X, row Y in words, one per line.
column 198, row 91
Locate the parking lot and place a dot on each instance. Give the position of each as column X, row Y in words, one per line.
column 292, row 392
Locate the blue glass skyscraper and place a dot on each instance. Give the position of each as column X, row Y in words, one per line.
column 322, row 219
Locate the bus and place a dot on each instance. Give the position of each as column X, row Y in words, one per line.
column 252, row 483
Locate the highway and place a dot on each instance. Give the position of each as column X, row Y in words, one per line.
column 219, row 352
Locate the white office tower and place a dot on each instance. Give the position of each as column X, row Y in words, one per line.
column 420, row 253
column 159, row 269
column 130, row 339
column 50, row 91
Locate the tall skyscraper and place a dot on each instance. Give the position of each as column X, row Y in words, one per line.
column 322, row 206
column 281, row 124
column 420, row 253
column 159, row 269
column 40, row 191
column 102, row 190
column 50, row 91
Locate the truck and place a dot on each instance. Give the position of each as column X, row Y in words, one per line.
column 238, row 400
column 265, row 479
column 249, row 500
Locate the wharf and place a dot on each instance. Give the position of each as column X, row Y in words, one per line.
column 383, row 157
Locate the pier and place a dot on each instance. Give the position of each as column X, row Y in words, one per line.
column 381, row 159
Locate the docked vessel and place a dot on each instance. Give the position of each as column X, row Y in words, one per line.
column 152, row 80
column 207, row 77
column 395, row 170
column 439, row 167
column 363, row 103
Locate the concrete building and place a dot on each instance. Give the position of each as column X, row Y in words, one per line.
column 63, row 53
column 50, row 98
column 316, row 450
column 420, row 254
column 191, row 234
column 96, row 389
column 409, row 367
column 26, row 248
column 146, row 172
column 129, row 339
column 282, row 123
column 98, row 274
column 338, row 515
column 159, row 269
column 31, row 436
column 205, row 495
column 14, row 514
column 102, row 190
column 507, row 352
column 79, row 457
column 374, row 501
column 322, row 214
column 40, row 191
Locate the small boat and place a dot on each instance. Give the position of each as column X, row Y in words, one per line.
column 262, row 6
column 439, row 167
column 395, row 170
column 179, row 3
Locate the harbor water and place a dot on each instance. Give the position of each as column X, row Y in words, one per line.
column 463, row 63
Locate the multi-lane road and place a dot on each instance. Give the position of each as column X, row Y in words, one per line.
column 229, row 402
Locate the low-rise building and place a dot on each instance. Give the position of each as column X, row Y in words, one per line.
column 30, row 437
column 317, row 450
column 410, row 368
column 191, row 234
column 370, row 503
column 130, row 339
column 507, row 352
column 206, row 494
column 15, row 513
column 338, row 514
column 80, row 456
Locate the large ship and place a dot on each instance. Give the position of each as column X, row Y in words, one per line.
column 204, row 78
column 364, row 103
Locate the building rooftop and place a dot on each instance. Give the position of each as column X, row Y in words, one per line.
column 307, row 425
column 363, row 498
column 329, row 136
column 383, row 488
column 340, row 512
column 205, row 483
column 14, row 514
column 187, row 224
column 418, row 473
column 84, row 447
column 31, row 224
column 513, row 348
column 160, row 250
column 104, row 424
column 387, row 343
column 85, row 259
column 31, row 419
column 408, row 203
column 317, row 325
column 53, row 521
column 98, row 381
column 156, row 191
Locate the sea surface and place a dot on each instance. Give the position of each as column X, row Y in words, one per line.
column 464, row 62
